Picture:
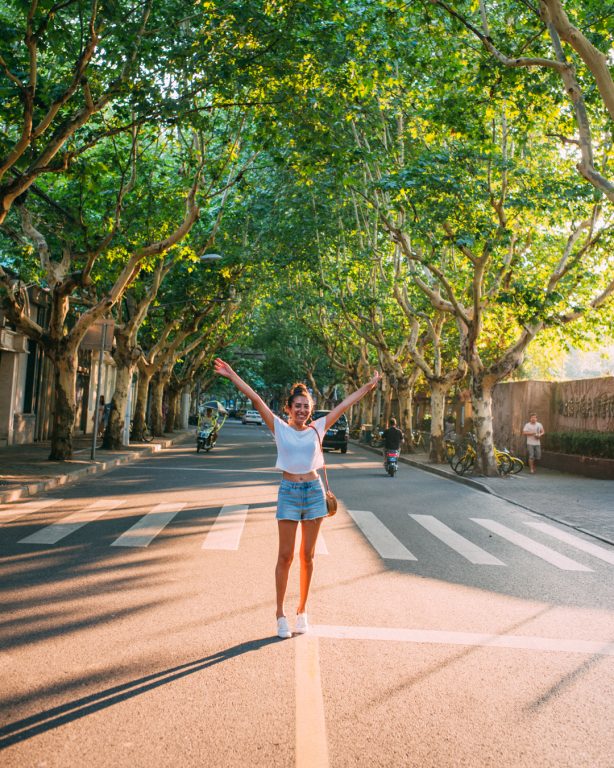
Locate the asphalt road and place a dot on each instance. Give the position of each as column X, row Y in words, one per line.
column 450, row 628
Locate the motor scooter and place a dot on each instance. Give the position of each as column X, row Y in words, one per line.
column 392, row 461
column 206, row 439
column 211, row 419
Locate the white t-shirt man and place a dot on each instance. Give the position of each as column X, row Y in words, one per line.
column 533, row 431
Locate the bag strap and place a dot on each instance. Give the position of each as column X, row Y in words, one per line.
column 323, row 459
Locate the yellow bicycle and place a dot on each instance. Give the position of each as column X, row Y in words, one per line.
column 462, row 457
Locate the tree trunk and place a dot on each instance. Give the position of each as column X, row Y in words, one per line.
column 64, row 410
column 439, row 391
column 117, row 416
column 405, row 394
column 387, row 406
column 155, row 409
column 140, row 409
column 481, row 397
column 172, row 414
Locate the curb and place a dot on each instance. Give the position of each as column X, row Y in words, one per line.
column 34, row 489
column 433, row 469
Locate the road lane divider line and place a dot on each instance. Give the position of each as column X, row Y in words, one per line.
column 455, row 541
column 311, row 740
column 574, row 541
column 145, row 530
column 29, row 508
column 477, row 639
column 524, row 542
column 386, row 544
column 53, row 533
column 227, row 528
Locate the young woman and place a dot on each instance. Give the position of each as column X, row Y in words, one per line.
column 301, row 493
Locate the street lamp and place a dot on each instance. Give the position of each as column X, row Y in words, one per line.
column 210, row 257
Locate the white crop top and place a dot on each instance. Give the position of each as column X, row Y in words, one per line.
column 298, row 452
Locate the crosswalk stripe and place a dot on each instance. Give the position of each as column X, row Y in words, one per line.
column 227, row 529
column 51, row 534
column 540, row 550
column 321, row 548
column 145, row 530
column 458, row 543
column 574, row 541
column 29, row 508
column 387, row 545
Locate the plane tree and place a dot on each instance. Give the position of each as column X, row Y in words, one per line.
column 562, row 52
column 86, row 247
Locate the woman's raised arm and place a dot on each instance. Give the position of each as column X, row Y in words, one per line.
column 223, row 369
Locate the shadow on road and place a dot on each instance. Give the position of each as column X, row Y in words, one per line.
column 48, row 719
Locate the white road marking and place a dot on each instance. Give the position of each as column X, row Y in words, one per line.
column 145, row 530
column 29, row 508
column 540, row 550
column 311, row 741
column 51, row 534
column 175, row 468
column 458, row 543
column 227, row 529
column 483, row 640
column 574, row 541
column 321, row 548
column 387, row 545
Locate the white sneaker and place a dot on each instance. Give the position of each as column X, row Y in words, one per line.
column 283, row 630
column 302, row 623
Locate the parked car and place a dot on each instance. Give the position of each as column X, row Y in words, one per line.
column 336, row 438
column 252, row 417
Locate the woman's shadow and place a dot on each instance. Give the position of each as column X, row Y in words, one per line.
column 26, row 728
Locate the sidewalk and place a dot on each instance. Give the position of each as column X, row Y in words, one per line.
column 583, row 503
column 25, row 470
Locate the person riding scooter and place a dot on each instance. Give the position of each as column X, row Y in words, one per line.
column 207, row 430
column 393, row 439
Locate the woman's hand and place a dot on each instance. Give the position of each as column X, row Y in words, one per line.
column 223, row 369
column 375, row 380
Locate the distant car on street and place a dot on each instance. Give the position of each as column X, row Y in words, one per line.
column 252, row 417
column 336, row 438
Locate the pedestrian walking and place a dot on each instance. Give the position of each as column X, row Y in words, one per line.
column 533, row 431
column 301, row 495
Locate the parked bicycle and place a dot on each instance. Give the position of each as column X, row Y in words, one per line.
column 462, row 457
column 420, row 441
column 145, row 437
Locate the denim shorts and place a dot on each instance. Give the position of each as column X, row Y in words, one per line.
column 303, row 500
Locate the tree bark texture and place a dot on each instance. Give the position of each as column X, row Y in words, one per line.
column 156, row 402
column 117, row 416
column 65, row 375
column 172, row 413
column 439, row 392
column 481, row 397
column 139, row 420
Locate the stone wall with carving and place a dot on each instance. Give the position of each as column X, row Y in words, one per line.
column 587, row 404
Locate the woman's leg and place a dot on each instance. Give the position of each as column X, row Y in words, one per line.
column 287, row 537
column 309, row 536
